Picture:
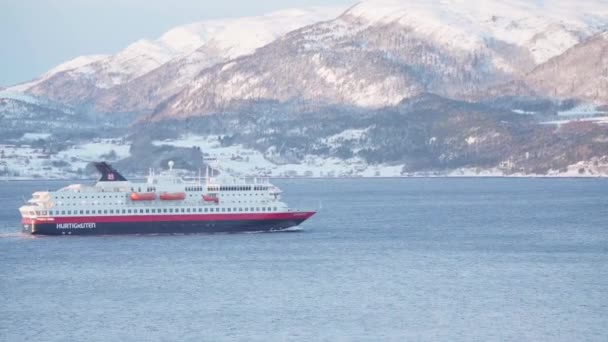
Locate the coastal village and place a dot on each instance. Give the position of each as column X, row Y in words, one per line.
column 29, row 158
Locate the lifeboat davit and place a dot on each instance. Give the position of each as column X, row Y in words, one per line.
column 208, row 198
column 172, row 196
column 143, row 196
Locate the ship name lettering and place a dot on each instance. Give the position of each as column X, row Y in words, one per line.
column 87, row 225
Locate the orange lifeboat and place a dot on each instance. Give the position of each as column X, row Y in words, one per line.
column 172, row 196
column 143, row 196
column 208, row 198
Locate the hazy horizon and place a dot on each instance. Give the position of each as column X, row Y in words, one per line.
column 42, row 34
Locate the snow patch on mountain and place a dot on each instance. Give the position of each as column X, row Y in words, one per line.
column 241, row 36
column 346, row 135
column 439, row 22
column 76, row 63
column 545, row 28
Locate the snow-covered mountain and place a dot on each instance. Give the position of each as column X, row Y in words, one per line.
column 374, row 54
column 222, row 40
column 80, row 80
column 381, row 51
column 544, row 29
column 121, row 82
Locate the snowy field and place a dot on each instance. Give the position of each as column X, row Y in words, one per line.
column 239, row 160
column 24, row 161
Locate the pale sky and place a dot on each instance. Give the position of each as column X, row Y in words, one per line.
column 36, row 35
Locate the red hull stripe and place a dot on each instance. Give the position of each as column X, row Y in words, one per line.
column 165, row 218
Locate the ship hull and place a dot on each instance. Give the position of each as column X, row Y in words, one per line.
column 91, row 226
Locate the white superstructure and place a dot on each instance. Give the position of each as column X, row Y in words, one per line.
column 164, row 193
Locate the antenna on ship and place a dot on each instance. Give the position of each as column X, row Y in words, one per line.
column 171, row 163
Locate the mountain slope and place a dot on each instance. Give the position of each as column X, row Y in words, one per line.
column 581, row 72
column 542, row 28
column 379, row 52
column 77, row 63
column 424, row 133
column 221, row 41
column 81, row 84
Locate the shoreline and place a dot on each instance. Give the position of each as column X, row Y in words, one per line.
column 342, row 178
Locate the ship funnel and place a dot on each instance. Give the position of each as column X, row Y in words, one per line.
column 108, row 173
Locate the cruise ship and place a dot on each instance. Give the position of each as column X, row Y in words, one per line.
column 165, row 204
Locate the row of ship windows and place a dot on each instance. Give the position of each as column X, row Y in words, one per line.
column 123, row 196
column 86, row 197
column 63, row 204
column 157, row 211
column 237, row 188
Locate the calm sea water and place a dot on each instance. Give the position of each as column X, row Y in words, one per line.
column 385, row 259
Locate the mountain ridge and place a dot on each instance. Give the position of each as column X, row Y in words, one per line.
column 377, row 60
column 509, row 39
column 93, row 83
